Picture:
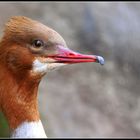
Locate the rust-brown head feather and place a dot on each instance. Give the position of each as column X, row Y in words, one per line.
column 23, row 30
column 28, row 50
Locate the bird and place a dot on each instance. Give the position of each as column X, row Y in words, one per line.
column 28, row 51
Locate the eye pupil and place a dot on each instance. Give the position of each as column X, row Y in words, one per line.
column 38, row 43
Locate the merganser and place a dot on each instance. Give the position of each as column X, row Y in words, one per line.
column 28, row 50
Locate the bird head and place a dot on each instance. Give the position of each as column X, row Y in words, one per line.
column 31, row 46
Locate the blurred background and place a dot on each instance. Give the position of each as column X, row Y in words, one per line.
column 88, row 100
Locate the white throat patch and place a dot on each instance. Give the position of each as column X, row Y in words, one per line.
column 29, row 130
column 39, row 67
column 43, row 67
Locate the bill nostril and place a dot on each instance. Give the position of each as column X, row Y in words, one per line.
column 71, row 54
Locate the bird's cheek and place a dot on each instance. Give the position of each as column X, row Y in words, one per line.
column 17, row 62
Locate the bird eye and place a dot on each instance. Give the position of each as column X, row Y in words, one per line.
column 38, row 43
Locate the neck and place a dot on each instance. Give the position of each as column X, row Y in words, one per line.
column 18, row 101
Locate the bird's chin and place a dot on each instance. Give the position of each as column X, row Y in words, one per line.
column 42, row 67
column 54, row 66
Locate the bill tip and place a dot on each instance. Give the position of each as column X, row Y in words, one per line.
column 101, row 60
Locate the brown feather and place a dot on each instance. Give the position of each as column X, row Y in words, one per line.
column 18, row 85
